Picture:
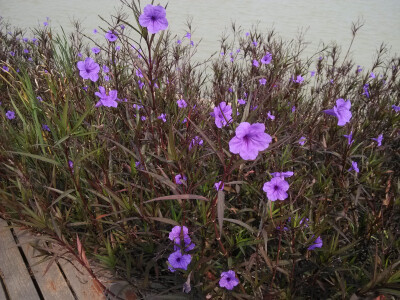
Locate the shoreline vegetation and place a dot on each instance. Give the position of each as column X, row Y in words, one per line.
column 256, row 174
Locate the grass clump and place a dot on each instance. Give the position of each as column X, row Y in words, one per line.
column 110, row 183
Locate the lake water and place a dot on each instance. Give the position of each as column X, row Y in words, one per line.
column 324, row 20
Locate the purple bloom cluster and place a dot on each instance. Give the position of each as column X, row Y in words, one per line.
column 341, row 110
column 317, row 244
column 89, row 69
column 277, row 187
column 378, row 139
column 177, row 259
column 222, row 114
column 111, row 36
column 354, row 167
column 181, row 103
column 267, row 58
column 219, row 186
column 228, row 280
column 249, row 140
column 106, row 100
column 153, row 18
column 10, row 115
column 195, row 141
column 180, row 179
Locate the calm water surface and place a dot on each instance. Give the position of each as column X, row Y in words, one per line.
column 324, row 20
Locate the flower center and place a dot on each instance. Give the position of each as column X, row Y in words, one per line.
column 276, row 187
column 178, row 259
column 228, row 279
column 153, row 18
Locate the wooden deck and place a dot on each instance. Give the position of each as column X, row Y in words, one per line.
column 22, row 277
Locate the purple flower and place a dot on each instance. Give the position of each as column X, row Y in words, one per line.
column 177, row 260
column 247, row 33
column 175, row 236
column 372, row 75
column 45, row 23
column 272, row 117
column 25, row 40
column 71, row 164
column 106, row 78
column 12, row 53
column 317, row 244
column 139, row 73
column 6, row 69
column 222, row 114
column 241, row 101
column 349, row 138
column 282, row 174
column 255, row 43
column 256, row 63
column 137, row 106
column 111, row 36
column 10, row 115
column 249, row 140
column 89, row 69
column 219, row 186
column 122, row 26
column 195, row 141
column 263, row 81
column 117, row 48
column 79, row 54
column 179, row 42
column 95, row 50
column 179, row 179
column 228, row 280
column 188, row 35
column 143, row 118
column 105, row 69
column 45, row 127
column 141, row 84
column 299, row 79
column 181, row 103
column 276, row 189
column 354, row 167
column 293, row 109
column 191, row 43
column 153, row 18
column 312, row 73
column 302, row 140
column 378, row 139
column 365, row 88
column 95, row 30
column 85, row 88
column 106, row 100
column 162, row 117
column 26, row 51
column 267, row 58
column 359, row 69
column 341, row 111
column 396, row 108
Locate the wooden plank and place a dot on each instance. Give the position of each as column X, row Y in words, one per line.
column 15, row 275
column 2, row 292
column 51, row 283
column 84, row 286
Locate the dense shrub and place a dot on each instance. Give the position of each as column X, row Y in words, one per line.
column 120, row 166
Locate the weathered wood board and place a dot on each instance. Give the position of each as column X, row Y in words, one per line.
column 14, row 272
column 51, row 283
